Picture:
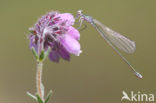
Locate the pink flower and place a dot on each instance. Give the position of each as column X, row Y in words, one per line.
column 55, row 31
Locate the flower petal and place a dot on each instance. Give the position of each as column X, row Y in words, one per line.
column 54, row 56
column 74, row 33
column 63, row 53
column 32, row 44
column 70, row 44
column 68, row 18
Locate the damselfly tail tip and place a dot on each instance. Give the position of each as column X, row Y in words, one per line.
column 138, row 75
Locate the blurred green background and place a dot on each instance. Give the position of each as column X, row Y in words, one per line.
column 98, row 75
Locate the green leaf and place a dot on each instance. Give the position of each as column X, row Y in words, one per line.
column 32, row 96
column 34, row 53
column 39, row 99
column 48, row 96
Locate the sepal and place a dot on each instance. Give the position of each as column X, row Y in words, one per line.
column 44, row 54
column 35, row 53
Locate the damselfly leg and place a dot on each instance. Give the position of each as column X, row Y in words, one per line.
column 82, row 25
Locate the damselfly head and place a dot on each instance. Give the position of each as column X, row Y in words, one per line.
column 79, row 12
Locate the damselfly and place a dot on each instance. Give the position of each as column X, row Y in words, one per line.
column 113, row 38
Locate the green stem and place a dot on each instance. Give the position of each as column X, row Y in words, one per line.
column 39, row 85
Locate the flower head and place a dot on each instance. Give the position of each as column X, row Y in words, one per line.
column 54, row 30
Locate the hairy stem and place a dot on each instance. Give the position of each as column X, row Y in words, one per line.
column 39, row 85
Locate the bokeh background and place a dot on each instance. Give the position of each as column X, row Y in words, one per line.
column 98, row 75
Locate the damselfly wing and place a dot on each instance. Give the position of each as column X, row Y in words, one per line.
column 113, row 38
column 116, row 39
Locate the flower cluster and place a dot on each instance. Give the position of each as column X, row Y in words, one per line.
column 55, row 31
